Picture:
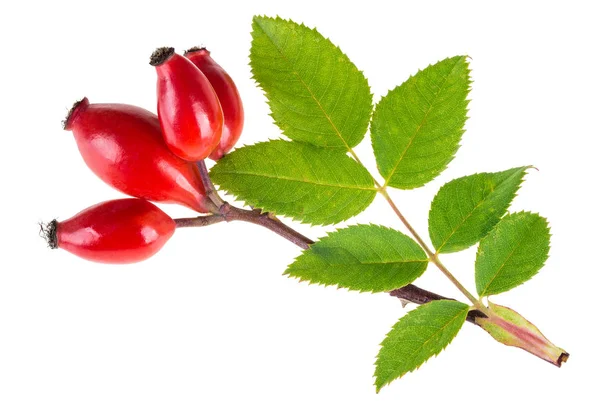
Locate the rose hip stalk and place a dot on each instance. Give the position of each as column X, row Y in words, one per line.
column 120, row 231
column 188, row 108
column 229, row 97
column 123, row 145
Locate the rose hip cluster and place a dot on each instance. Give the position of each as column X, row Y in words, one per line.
column 150, row 157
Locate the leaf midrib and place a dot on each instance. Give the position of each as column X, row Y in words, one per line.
column 318, row 183
column 367, row 263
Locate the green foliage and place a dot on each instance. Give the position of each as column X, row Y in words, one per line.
column 306, row 183
column 513, row 252
column 315, row 92
column 419, row 335
column 323, row 103
column 466, row 209
column 362, row 257
column 417, row 126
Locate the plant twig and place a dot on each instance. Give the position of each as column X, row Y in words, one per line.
column 480, row 316
column 229, row 213
column 199, row 221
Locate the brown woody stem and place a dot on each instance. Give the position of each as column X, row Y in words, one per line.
column 198, row 221
column 418, row 295
column 228, row 213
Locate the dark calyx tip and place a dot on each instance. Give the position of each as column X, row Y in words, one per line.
column 562, row 358
column 66, row 123
column 160, row 55
column 196, row 49
column 48, row 232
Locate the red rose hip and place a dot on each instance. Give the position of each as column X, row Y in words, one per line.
column 229, row 97
column 120, row 231
column 189, row 111
column 123, row 145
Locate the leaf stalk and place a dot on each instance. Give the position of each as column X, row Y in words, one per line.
column 382, row 189
column 433, row 257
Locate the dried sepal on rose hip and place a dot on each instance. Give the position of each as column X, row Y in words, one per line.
column 123, row 145
column 229, row 97
column 119, row 231
column 188, row 108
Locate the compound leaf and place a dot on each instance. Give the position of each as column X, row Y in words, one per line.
column 513, row 252
column 466, row 209
column 416, row 337
column 306, row 183
column 362, row 257
column 316, row 94
column 416, row 128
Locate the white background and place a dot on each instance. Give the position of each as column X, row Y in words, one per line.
column 210, row 320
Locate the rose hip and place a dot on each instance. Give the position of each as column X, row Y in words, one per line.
column 123, row 145
column 120, row 231
column 229, row 97
column 188, row 108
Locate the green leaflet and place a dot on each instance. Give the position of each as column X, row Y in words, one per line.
column 315, row 92
column 362, row 257
column 419, row 335
column 307, row 183
column 466, row 209
column 417, row 126
column 513, row 252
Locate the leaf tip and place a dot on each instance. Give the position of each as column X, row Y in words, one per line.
column 380, row 382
